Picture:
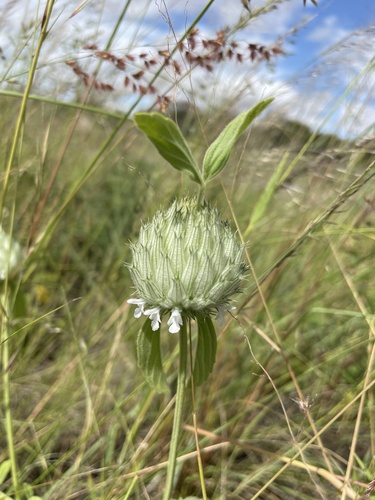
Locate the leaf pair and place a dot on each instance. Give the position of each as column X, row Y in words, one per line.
column 149, row 355
column 169, row 141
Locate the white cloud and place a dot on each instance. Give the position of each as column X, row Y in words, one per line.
column 329, row 31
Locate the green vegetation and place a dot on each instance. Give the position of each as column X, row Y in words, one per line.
column 288, row 410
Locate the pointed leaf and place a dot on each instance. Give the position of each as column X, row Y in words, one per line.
column 218, row 153
column 169, row 141
column 149, row 357
column 205, row 354
column 5, row 467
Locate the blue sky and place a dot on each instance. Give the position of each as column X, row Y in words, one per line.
column 332, row 45
column 352, row 13
column 323, row 57
column 331, row 21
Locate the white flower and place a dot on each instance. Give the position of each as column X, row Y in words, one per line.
column 141, row 307
column 175, row 321
column 154, row 315
column 11, row 256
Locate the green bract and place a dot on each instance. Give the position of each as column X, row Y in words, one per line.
column 187, row 261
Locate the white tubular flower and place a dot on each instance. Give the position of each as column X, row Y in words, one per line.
column 154, row 315
column 186, row 262
column 175, row 321
column 141, row 307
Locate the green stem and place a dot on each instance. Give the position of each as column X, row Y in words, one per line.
column 177, row 412
column 200, row 465
column 6, row 389
column 201, row 193
column 22, row 111
column 65, row 104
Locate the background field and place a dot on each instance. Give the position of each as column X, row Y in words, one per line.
column 295, row 366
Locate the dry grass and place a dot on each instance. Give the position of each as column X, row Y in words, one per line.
column 288, row 410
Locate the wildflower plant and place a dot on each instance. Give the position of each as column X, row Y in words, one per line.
column 187, row 264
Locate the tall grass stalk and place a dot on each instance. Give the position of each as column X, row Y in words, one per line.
column 289, row 461
column 364, row 178
column 24, row 101
column 70, row 132
column 101, row 150
column 7, row 396
column 369, row 369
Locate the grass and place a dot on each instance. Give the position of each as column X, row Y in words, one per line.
column 288, row 411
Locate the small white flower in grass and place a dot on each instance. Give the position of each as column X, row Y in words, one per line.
column 187, row 263
column 175, row 321
column 154, row 315
column 11, row 256
column 141, row 307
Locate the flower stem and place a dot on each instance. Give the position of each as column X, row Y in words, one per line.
column 177, row 412
column 200, row 465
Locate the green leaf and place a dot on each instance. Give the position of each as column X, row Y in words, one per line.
column 266, row 196
column 5, row 467
column 149, row 357
column 205, row 354
column 3, row 496
column 217, row 154
column 169, row 141
column 20, row 305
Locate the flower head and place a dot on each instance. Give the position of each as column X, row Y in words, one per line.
column 186, row 262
